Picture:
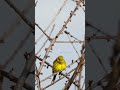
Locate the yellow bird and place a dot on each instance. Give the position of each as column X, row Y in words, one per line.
column 58, row 65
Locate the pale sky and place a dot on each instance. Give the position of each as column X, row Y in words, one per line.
column 45, row 11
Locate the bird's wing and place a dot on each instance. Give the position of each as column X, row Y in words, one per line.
column 54, row 65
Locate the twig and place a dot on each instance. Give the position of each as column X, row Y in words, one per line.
column 46, row 40
column 73, row 47
column 97, row 29
column 88, row 38
column 61, row 72
column 69, row 42
column 99, row 59
column 11, row 58
column 21, row 15
column 77, row 70
column 115, row 65
column 15, row 79
column 14, row 25
column 42, row 31
column 52, row 20
column 25, row 72
column 59, row 79
column 68, row 33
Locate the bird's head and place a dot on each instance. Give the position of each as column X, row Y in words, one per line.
column 60, row 59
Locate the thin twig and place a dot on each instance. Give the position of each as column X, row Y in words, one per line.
column 24, row 18
column 52, row 20
column 25, row 72
column 59, row 79
column 61, row 72
column 11, row 58
column 77, row 70
column 15, row 79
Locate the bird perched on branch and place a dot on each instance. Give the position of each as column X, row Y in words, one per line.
column 58, row 65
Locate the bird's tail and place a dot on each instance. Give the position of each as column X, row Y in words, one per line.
column 54, row 77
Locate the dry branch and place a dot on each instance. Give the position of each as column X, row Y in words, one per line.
column 28, row 65
column 24, row 18
column 61, row 72
column 60, row 79
column 11, row 58
column 115, row 65
column 14, row 25
column 52, row 20
column 15, row 79
column 77, row 70
column 46, row 40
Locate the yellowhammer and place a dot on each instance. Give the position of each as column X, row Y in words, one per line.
column 58, row 65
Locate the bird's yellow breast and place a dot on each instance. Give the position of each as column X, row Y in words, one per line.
column 57, row 67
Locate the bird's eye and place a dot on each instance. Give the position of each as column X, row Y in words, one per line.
column 59, row 59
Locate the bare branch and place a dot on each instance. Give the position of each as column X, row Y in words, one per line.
column 21, row 15
column 25, row 72
column 15, row 79
column 77, row 70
